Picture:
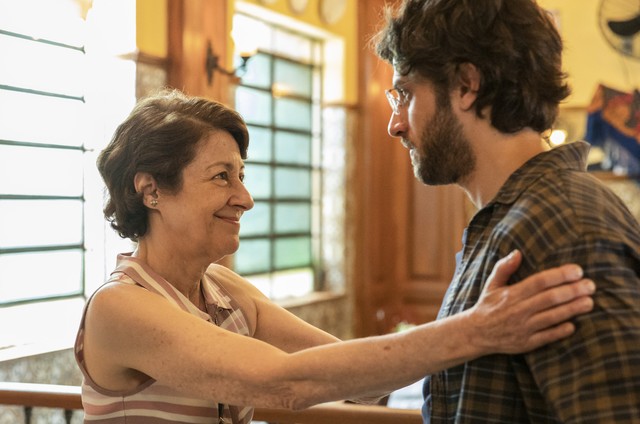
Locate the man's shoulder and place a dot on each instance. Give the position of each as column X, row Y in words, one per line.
column 566, row 205
column 572, row 195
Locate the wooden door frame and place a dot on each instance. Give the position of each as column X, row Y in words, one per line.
column 192, row 25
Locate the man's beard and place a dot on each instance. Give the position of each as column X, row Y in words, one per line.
column 444, row 155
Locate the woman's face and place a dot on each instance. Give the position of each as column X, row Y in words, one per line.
column 203, row 217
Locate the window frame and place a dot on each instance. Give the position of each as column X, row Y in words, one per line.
column 324, row 281
column 46, row 323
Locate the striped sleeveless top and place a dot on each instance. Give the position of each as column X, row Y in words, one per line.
column 153, row 403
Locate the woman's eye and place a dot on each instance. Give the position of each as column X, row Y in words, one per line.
column 222, row 176
column 242, row 177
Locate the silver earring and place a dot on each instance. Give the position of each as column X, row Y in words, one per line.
column 154, row 202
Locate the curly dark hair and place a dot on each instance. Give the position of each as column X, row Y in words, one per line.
column 159, row 137
column 513, row 43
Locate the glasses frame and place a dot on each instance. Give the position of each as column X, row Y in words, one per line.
column 397, row 99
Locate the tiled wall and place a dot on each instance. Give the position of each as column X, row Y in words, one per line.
column 52, row 368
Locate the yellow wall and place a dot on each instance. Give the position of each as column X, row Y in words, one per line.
column 151, row 36
column 151, row 27
column 588, row 58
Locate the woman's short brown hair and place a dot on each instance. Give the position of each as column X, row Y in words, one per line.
column 159, row 137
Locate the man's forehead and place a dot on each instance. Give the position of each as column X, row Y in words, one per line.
column 398, row 78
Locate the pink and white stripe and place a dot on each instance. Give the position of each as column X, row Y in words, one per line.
column 152, row 402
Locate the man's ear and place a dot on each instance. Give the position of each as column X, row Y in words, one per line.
column 468, row 79
column 145, row 183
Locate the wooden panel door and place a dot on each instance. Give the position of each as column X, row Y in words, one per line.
column 193, row 24
column 406, row 233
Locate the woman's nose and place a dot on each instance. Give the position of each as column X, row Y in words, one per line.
column 397, row 126
column 243, row 198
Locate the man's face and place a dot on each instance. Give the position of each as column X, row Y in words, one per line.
column 440, row 152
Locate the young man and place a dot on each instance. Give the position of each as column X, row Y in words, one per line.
column 476, row 84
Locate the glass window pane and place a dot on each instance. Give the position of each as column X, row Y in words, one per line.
column 58, row 21
column 293, row 252
column 37, row 171
column 40, row 274
column 293, row 183
column 292, row 45
column 41, row 119
column 292, row 283
column 253, row 256
column 293, row 218
column 254, row 105
column 293, row 78
column 262, row 282
column 295, row 114
column 250, row 31
column 257, row 221
column 259, row 144
column 22, row 66
column 258, row 180
column 293, row 148
column 25, row 222
column 258, row 71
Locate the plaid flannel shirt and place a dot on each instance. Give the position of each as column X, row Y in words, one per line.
column 555, row 213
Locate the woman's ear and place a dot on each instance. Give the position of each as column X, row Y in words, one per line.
column 468, row 79
column 145, row 183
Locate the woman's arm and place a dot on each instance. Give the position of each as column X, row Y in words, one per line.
column 270, row 322
column 131, row 331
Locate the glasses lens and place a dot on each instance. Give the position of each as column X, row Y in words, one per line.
column 394, row 99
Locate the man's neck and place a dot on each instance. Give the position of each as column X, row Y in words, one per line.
column 498, row 156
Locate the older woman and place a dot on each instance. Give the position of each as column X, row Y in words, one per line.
column 173, row 337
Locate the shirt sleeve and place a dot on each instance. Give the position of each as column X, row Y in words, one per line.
column 594, row 375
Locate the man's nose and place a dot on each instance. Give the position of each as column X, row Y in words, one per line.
column 397, row 126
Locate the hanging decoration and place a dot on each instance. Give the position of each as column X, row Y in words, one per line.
column 613, row 124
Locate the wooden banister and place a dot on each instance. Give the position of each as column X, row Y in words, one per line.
column 340, row 413
column 40, row 395
column 68, row 398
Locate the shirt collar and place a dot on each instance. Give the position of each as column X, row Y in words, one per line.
column 143, row 275
column 571, row 157
column 214, row 294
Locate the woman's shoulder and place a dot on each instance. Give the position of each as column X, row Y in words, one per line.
column 232, row 281
column 247, row 296
column 123, row 301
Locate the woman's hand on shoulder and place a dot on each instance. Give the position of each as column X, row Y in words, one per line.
column 534, row 312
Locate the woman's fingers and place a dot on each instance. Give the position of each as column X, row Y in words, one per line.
column 503, row 270
column 547, row 279
column 534, row 311
column 547, row 336
column 560, row 304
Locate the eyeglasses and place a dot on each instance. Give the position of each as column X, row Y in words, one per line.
column 397, row 99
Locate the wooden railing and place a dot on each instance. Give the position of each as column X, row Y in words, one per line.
column 67, row 398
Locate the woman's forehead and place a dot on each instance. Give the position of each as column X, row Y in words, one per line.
column 217, row 146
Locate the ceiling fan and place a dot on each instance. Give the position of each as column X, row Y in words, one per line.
column 620, row 25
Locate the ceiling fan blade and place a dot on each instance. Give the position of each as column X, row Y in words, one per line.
column 627, row 28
